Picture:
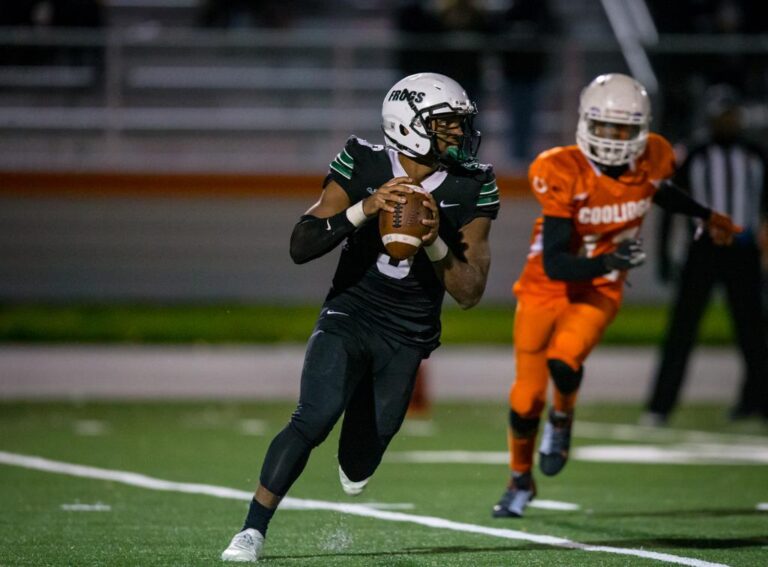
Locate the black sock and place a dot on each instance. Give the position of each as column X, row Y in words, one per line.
column 258, row 517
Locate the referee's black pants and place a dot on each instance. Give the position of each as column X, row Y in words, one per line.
column 737, row 267
column 352, row 369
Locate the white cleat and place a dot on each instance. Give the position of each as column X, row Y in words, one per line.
column 351, row 487
column 244, row 547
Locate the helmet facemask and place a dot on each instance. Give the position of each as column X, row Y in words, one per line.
column 626, row 145
column 440, row 123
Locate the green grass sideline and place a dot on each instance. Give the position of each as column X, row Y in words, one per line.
column 248, row 323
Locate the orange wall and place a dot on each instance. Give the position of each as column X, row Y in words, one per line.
column 88, row 184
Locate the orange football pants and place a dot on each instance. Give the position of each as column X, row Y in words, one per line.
column 563, row 328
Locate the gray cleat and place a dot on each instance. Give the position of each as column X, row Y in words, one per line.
column 521, row 491
column 555, row 442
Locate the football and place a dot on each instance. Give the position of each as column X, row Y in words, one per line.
column 401, row 231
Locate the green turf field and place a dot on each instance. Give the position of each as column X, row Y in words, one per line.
column 693, row 514
column 201, row 323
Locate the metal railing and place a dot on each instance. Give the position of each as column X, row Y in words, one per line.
column 213, row 100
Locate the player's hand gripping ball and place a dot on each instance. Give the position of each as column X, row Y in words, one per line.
column 402, row 230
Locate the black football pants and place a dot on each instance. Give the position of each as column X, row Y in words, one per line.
column 738, row 269
column 350, row 369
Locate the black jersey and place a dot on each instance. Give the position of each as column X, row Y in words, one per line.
column 401, row 298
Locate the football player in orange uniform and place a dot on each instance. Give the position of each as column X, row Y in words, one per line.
column 594, row 196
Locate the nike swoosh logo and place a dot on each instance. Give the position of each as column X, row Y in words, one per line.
column 327, row 224
column 332, row 312
column 445, row 205
column 371, row 190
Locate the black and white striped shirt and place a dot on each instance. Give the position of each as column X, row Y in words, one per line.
column 729, row 178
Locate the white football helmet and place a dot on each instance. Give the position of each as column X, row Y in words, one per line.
column 616, row 99
column 409, row 110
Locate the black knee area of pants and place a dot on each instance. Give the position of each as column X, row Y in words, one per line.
column 567, row 380
column 289, row 451
column 313, row 422
column 285, row 460
column 523, row 426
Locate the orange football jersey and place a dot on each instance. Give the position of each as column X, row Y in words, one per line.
column 603, row 210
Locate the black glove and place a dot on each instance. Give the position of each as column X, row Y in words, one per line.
column 628, row 255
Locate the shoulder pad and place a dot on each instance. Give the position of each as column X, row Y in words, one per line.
column 658, row 141
column 562, row 158
column 557, row 163
column 660, row 156
column 356, row 152
column 359, row 144
column 481, row 172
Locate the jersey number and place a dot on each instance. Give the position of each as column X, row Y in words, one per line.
column 394, row 268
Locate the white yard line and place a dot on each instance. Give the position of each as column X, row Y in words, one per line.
column 143, row 481
column 255, row 427
column 676, row 454
column 629, row 432
column 554, row 505
column 389, row 506
column 78, row 507
column 90, row 427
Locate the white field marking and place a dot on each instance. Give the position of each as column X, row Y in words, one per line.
column 682, row 454
column 762, row 506
column 256, row 427
column 78, row 507
column 553, row 505
column 628, row 432
column 91, row 427
column 143, row 481
column 418, row 428
column 389, row 506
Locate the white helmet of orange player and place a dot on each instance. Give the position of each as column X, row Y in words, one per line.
column 614, row 99
column 408, row 116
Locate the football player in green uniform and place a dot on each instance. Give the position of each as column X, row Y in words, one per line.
column 381, row 316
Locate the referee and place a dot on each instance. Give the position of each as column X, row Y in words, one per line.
column 726, row 173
